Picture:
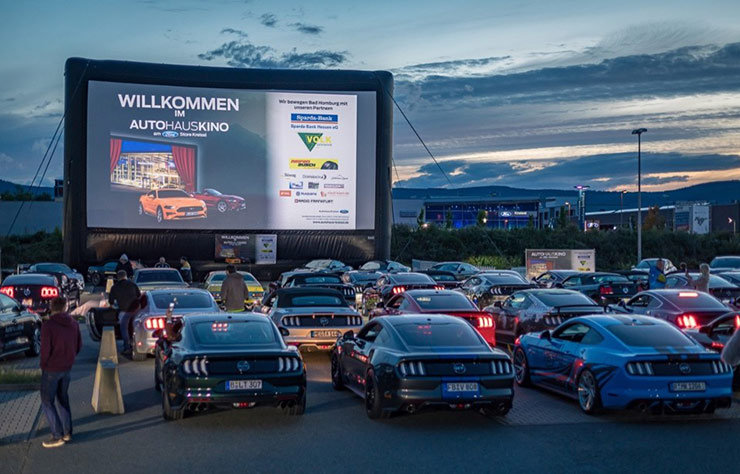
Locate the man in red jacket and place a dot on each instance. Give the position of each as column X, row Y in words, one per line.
column 60, row 344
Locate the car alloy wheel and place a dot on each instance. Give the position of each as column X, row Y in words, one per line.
column 588, row 392
column 35, row 348
column 372, row 399
column 169, row 413
column 336, row 374
column 160, row 216
column 521, row 368
column 222, row 206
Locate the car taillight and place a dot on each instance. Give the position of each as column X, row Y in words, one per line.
column 8, row 291
column 686, row 321
column 640, row 368
column 439, row 287
column 737, row 319
column 398, row 290
column 606, row 290
column 154, row 323
column 485, row 322
column 197, row 366
column 49, row 292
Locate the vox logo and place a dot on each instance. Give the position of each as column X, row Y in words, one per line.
column 313, row 139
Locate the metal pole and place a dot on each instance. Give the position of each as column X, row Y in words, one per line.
column 639, row 198
column 621, row 208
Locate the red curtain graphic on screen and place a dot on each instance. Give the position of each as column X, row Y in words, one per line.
column 115, row 152
column 184, row 158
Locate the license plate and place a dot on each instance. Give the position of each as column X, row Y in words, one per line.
column 191, row 213
column 688, row 386
column 333, row 334
column 462, row 387
column 244, row 385
column 27, row 302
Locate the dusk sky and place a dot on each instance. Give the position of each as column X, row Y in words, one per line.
column 528, row 94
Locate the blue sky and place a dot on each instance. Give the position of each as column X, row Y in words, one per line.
column 529, row 94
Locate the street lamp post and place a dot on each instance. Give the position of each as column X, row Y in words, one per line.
column 581, row 205
column 730, row 220
column 621, row 208
column 639, row 132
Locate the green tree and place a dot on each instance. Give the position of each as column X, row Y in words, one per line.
column 448, row 220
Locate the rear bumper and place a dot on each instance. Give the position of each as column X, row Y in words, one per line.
column 626, row 392
column 276, row 390
column 305, row 340
column 429, row 392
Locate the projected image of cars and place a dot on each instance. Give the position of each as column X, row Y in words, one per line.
column 171, row 204
column 221, row 202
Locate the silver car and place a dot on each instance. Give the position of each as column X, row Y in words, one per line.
column 152, row 278
column 313, row 318
column 152, row 316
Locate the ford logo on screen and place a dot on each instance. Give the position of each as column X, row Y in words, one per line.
column 170, row 134
column 344, row 211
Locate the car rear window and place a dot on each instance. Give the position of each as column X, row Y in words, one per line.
column 52, row 267
column 441, row 302
column 234, row 333
column 412, row 278
column 218, row 277
column 316, row 279
column 563, row 298
column 443, row 277
column 650, row 335
column 182, row 300
column 611, row 279
column 29, row 280
column 719, row 262
column 364, row 276
column 504, row 279
column 148, row 277
column 439, row 334
column 695, row 300
column 371, row 266
column 292, row 301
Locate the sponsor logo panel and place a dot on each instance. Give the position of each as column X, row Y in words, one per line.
column 314, row 118
column 313, row 164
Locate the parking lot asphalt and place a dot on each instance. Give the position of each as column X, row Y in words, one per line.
column 543, row 433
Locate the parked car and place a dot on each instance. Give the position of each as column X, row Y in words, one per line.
column 640, row 277
column 220, row 202
column 215, row 279
column 59, row 268
column 726, row 262
column 20, row 329
column 322, row 280
column 538, row 309
column 34, row 290
column 171, row 204
column 604, row 288
column 98, row 274
column 647, row 263
column 283, row 278
column 448, row 302
column 153, row 278
column 684, row 308
column 731, row 276
column 715, row 335
column 447, row 279
column 461, row 270
column 552, row 278
column 617, row 362
column 720, row 288
column 227, row 361
column 395, row 283
column 325, row 265
column 384, row 266
column 418, row 361
column 487, row 288
column 312, row 318
column 360, row 279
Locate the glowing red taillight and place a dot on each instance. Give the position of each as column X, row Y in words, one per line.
column 485, row 322
column 606, row 290
column 737, row 319
column 154, row 323
column 686, row 321
column 8, row 291
column 439, row 287
column 49, row 292
column 398, row 290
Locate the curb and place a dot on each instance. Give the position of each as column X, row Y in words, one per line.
column 20, row 387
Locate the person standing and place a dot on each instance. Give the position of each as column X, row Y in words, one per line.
column 233, row 290
column 162, row 263
column 656, row 279
column 185, row 270
column 125, row 264
column 60, row 343
column 125, row 295
column 701, row 283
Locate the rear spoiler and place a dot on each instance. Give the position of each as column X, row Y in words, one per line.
column 601, row 308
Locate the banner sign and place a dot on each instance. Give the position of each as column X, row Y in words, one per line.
column 266, row 249
column 539, row 261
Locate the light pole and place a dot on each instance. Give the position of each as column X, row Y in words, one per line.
column 621, row 208
column 567, row 203
column 639, row 132
column 730, row 220
column 582, row 205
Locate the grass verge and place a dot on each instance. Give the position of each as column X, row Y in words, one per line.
column 14, row 376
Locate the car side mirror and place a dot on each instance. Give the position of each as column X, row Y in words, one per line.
column 348, row 336
column 283, row 331
column 545, row 335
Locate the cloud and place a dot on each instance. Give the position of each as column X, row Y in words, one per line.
column 457, row 67
column 307, row 29
column 243, row 53
column 269, row 20
column 234, row 31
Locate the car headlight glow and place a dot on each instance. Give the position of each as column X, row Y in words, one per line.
column 169, row 207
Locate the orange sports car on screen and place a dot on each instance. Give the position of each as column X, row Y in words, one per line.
column 170, row 204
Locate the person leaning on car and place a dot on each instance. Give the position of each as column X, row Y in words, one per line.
column 126, row 295
column 233, row 290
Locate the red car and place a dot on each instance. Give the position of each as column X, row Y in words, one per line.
column 448, row 302
column 222, row 202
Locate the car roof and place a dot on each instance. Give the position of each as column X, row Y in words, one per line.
column 606, row 319
column 436, row 272
column 421, row 319
column 44, row 278
column 149, row 270
column 160, row 291
column 432, row 292
column 220, row 316
column 308, row 290
column 552, row 291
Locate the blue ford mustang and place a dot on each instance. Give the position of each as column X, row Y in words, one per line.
column 617, row 361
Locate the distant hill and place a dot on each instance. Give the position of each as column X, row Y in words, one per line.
column 718, row 192
column 11, row 187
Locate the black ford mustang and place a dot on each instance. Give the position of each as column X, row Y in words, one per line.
column 227, row 361
column 421, row 361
